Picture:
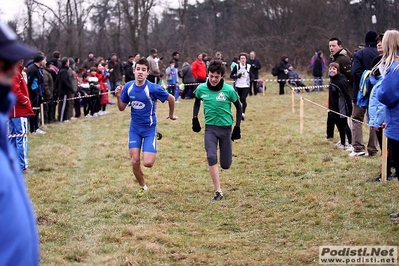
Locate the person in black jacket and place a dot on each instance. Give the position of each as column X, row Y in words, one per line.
column 318, row 69
column 339, row 101
column 188, row 78
column 282, row 76
column 36, row 89
column 65, row 87
column 128, row 69
column 255, row 66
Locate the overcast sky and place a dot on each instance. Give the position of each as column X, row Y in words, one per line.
column 11, row 9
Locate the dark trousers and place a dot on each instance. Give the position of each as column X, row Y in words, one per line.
column 188, row 91
column 343, row 128
column 87, row 106
column 253, row 88
column 243, row 93
column 62, row 104
column 330, row 127
column 393, row 146
column 282, row 84
column 34, row 120
column 153, row 79
column 215, row 135
column 96, row 104
column 389, row 154
column 76, row 105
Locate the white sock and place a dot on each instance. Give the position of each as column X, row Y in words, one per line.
column 144, row 187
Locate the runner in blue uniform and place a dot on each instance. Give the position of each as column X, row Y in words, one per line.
column 142, row 96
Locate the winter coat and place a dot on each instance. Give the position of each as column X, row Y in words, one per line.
column 64, row 83
column 74, row 79
column 102, row 80
column 128, row 69
column 339, row 99
column 318, row 67
column 89, row 63
column 19, row 234
column 48, row 85
column 255, row 66
column 198, row 69
column 362, row 61
column 115, row 70
column 344, row 59
column 281, row 66
column 35, row 81
column 376, row 110
column 153, row 66
column 186, row 75
column 388, row 94
column 23, row 106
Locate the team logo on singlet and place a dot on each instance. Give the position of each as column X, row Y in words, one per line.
column 221, row 97
column 137, row 105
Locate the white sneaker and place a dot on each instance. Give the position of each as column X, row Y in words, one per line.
column 73, row 118
column 339, row 146
column 353, row 153
column 95, row 114
column 100, row 113
column 39, row 131
column 66, row 121
column 88, row 116
column 105, row 112
column 349, row 148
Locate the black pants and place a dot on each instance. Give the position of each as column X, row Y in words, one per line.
column 188, row 91
column 254, row 88
column 282, row 84
column 389, row 154
column 243, row 93
column 76, row 106
column 343, row 128
column 87, row 106
column 215, row 135
column 393, row 146
column 34, row 120
column 330, row 127
column 95, row 100
column 60, row 105
column 153, row 79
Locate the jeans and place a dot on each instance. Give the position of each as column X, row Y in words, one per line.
column 318, row 81
column 19, row 125
column 358, row 113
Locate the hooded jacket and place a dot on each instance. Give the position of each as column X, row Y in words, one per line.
column 339, row 99
column 362, row 61
column 388, row 94
column 376, row 110
column 23, row 105
column 19, row 243
column 344, row 58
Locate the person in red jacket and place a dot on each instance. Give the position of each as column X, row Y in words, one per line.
column 198, row 69
column 18, row 123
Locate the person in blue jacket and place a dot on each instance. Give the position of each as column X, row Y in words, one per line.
column 19, row 242
column 388, row 93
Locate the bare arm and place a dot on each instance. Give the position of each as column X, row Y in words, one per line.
column 171, row 101
column 121, row 105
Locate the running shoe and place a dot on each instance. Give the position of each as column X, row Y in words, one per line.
column 141, row 192
column 218, row 196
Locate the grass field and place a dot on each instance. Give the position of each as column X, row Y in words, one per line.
column 285, row 194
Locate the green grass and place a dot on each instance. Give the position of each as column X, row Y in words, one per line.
column 285, row 194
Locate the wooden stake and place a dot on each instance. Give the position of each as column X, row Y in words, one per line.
column 384, row 157
column 293, row 101
column 264, row 87
column 42, row 113
column 301, row 112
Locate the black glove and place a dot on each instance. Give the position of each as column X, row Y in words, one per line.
column 239, row 75
column 236, row 133
column 196, row 125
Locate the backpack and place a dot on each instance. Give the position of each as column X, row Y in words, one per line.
column 275, row 70
column 365, row 87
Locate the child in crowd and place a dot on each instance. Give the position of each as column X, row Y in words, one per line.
column 171, row 78
column 339, row 101
column 94, row 91
column 102, row 79
column 85, row 92
column 295, row 78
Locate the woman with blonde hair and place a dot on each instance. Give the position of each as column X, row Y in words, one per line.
column 388, row 93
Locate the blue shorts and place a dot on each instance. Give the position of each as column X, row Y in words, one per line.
column 143, row 137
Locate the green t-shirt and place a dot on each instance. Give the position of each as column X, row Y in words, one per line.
column 217, row 104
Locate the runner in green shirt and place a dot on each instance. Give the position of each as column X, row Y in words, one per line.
column 217, row 98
